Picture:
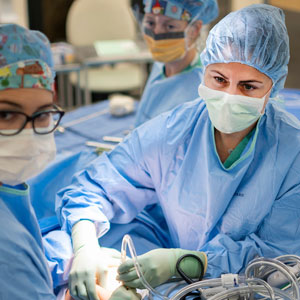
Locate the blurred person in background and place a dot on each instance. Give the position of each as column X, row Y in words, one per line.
column 171, row 29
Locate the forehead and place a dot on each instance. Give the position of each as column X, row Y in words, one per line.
column 27, row 97
column 161, row 19
column 238, row 71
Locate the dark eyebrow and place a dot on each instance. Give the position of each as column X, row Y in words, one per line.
column 251, row 81
column 242, row 81
column 20, row 106
column 11, row 103
column 219, row 73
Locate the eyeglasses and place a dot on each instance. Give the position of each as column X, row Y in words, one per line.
column 43, row 122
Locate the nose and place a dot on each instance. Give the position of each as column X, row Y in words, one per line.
column 233, row 89
column 158, row 27
column 28, row 125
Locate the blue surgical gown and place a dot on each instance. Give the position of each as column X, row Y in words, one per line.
column 163, row 93
column 250, row 209
column 148, row 230
column 24, row 272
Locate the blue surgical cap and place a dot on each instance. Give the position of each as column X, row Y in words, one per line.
column 256, row 36
column 204, row 10
column 18, row 44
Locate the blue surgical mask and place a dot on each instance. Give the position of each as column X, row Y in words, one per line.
column 231, row 113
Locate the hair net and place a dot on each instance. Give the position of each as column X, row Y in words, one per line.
column 256, row 36
column 205, row 10
column 24, row 52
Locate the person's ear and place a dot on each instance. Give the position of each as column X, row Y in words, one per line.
column 193, row 31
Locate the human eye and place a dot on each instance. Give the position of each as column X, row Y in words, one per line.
column 148, row 23
column 43, row 116
column 248, row 87
column 7, row 116
column 219, row 79
column 171, row 27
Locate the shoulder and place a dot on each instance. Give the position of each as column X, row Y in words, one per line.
column 24, row 269
column 280, row 116
column 188, row 112
column 281, row 135
column 157, row 69
column 283, row 126
column 176, row 122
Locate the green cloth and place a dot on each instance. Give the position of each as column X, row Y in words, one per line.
column 21, row 189
column 238, row 150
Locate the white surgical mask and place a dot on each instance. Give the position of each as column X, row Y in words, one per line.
column 24, row 155
column 231, row 113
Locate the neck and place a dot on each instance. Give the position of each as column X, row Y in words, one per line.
column 225, row 143
column 174, row 67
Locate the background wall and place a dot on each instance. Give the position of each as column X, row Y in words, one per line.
column 14, row 11
column 49, row 16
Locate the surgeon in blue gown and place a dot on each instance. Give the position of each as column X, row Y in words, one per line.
column 171, row 29
column 28, row 118
column 27, row 114
column 224, row 170
column 176, row 69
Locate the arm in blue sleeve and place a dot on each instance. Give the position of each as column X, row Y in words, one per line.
column 116, row 186
column 278, row 234
column 59, row 253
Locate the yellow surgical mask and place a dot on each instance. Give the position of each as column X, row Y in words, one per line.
column 165, row 47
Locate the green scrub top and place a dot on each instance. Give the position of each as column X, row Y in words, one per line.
column 238, row 150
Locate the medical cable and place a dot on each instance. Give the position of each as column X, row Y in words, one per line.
column 245, row 290
column 241, row 285
column 182, row 274
column 127, row 242
column 278, row 279
column 263, row 288
column 196, row 285
column 259, row 262
column 263, row 283
column 187, row 279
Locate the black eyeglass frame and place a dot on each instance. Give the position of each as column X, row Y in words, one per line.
column 55, row 109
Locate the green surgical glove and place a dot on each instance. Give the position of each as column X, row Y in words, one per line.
column 91, row 262
column 123, row 293
column 159, row 265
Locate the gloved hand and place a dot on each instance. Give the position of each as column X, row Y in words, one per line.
column 159, row 265
column 102, row 293
column 91, row 262
column 124, row 293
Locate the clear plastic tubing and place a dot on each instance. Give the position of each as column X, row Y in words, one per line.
column 218, row 282
column 263, row 283
column 258, row 262
column 243, row 290
column 288, row 258
column 195, row 286
column 127, row 242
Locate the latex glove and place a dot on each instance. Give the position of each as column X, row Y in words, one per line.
column 91, row 263
column 102, row 293
column 159, row 265
column 124, row 293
